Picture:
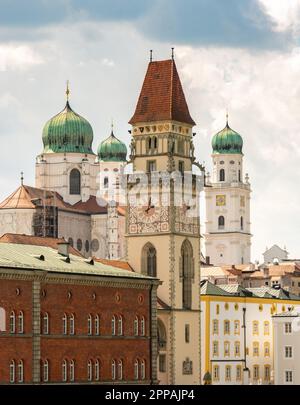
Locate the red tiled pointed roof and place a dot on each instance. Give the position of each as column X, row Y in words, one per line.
column 162, row 97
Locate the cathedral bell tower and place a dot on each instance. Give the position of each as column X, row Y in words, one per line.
column 162, row 232
column 227, row 195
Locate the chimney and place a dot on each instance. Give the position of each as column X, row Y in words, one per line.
column 63, row 248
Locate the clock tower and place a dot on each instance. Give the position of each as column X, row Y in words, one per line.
column 227, row 195
column 162, row 222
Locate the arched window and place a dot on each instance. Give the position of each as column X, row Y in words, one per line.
column 72, row 370
column 136, row 369
column 20, row 371
column 65, row 324
column 72, row 324
column 12, row 371
column 186, row 273
column 90, row 330
column 64, row 370
column 239, row 175
column 21, row 322
column 242, row 223
column 46, row 371
column 97, row 370
column 105, row 182
column 222, row 175
column 149, row 143
column 154, row 142
column 149, row 260
column 161, row 335
column 113, row 369
column 90, row 370
column 221, row 222
column 120, row 325
column 97, row 325
column 12, row 322
column 136, row 326
column 113, row 325
column 75, row 182
column 143, row 326
column 45, row 328
column 120, row 369
column 143, row 370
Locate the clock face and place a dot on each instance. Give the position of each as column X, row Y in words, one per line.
column 220, row 200
column 148, row 214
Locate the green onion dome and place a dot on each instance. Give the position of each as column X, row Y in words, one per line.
column 112, row 150
column 67, row 132
column 227, row 141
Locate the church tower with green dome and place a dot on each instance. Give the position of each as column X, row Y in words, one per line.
column 67, row 163
column 227, row 199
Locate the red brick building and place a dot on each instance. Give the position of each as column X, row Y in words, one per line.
column 73, row 320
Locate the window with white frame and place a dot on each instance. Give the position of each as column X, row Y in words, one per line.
column 65, row 325
column 236, row 327
column 45, row 328
column 266, row 328
column 120, row 369
column 136, row 369
column 226, row 349
column 256, row 349
column 72, row 324
column 21, row 322
column 64, row 371
column 256, row 372
column 255, row 330
column 143, row 370
column 90, row 323
column 97, row 325
column 288, row 374
column 143, row 328
column 136, row 326
column 238, row 373
column 90, row 370
column 72, row 370
column 267, row 349
column 113, row 369
column 113, row 325
column 288, row 352
column 267, row 372
column 120, row 325
column 97, row 370
column 12, row 371
column 12, row 322
column 237, row 349
column 46, row 371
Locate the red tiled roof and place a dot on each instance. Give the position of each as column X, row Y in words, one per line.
column 162, row 97
column 115, row 263
column 21, row 239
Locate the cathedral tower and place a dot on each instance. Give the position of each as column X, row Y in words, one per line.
column 227, row 195
column 163, row 239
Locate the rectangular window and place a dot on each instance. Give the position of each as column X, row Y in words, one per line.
column 237, row 348
column 288, row 352
column 215, row 348
column 215, row 327
column 226, row 349
column 227, row 373
column 255, row 328
column 255, row 372
column 216, row 373
column 266, row 328
column 238, row 373
column 162, row 363
column 151, row 166
column 187, row 333
column 236, row 327
column 256, row 349
column 226, row 327
column 288, row 328
column 181, row 166
column 288, row 376
column 267, row 373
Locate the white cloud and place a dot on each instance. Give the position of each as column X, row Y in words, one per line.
column 17, row 57
column 285, row 13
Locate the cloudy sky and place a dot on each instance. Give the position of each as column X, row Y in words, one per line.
column 240, row 54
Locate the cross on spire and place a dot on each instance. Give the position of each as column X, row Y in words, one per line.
column 22, row 178
column 67, row 90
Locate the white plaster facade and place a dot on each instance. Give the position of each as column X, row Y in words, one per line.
column 227, row 241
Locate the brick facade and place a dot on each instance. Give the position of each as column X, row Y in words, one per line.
column 38, row 295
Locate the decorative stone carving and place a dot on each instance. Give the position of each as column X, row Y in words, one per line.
column 187, row 366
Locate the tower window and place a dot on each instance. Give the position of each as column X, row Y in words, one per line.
column 187, row 273
column 181, row 166
column 221, row 222
column 222, row 175
column 149, row 260
column 239, row 175
column 242, row 223
column 105, row 182
column 75, row 182
column 151, row 166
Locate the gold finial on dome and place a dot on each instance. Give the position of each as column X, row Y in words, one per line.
column 67, row 90
column 227, row 117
